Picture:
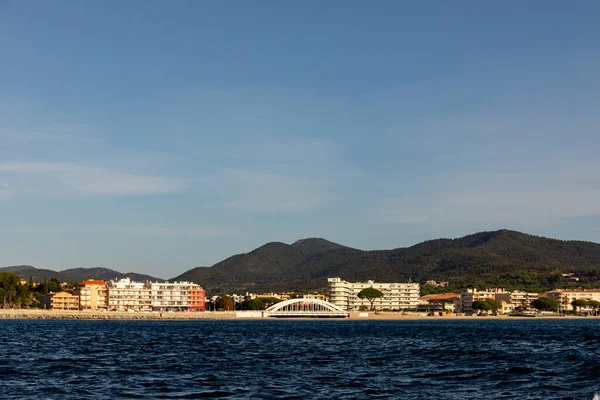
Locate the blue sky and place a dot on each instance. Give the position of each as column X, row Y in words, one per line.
column 158, row 136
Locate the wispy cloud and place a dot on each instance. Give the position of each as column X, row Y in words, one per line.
column 90, row 180
column 271, row 193
column 167, row 231
column 535, row 196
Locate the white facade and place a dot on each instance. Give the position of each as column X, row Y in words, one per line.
column 396, row 296
column 173, row 295
column 125, row 295
column 565, row 297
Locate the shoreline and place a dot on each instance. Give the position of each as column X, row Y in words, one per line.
column 239, row 315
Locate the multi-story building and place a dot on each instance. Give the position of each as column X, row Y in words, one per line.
column 93, row 295
column 396, row 296
column 177, row 296
column 565, row 297
column 517, row 299
column 464, row 304
column 125, row 295
column 61, row 301
column 510, row 300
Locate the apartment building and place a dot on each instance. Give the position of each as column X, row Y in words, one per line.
column 125, row 294
column 510, row 300
column 517, row 298
column 61, row 301
column 464, row 303
column 177, row 296
column 93, row 295
column 565, row 297
column 396, row 296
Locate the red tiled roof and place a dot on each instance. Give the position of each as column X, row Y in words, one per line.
column 93, row 282
column 441, row 296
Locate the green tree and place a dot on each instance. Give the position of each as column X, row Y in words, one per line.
column 495, row 305
column 565, row 302
column 481, row 305
column 11, row 289
column 579, row 304
column 595, row 305
column 370, row 294
column 224, row 303
column 254, row 304
column 545, row 304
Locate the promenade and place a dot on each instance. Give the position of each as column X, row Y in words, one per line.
column 230, row 315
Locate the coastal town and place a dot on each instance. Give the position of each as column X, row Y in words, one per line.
column 397, row 298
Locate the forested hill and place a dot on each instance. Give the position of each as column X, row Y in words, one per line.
column 503, row 257
column 74, row 275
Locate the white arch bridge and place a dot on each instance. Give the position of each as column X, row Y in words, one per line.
column 305, row 308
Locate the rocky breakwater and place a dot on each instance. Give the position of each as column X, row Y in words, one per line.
column 95, row 315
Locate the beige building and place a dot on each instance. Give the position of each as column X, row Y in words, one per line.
column 516, row 299
column 464, row 304
column 396, row 296
column 565, row 297
column 315, row 296
column 93, row 295
column 443, row 302
column 436, row 284
column 127, row 295
column 510, row 300
column 61, row 301
column 280, row 296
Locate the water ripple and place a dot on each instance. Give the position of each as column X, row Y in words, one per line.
column 515, row 359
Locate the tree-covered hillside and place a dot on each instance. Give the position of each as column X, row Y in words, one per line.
column 506, row 258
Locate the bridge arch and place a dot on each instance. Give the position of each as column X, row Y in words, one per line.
column 305, row 308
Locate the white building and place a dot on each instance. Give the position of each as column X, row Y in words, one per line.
column 125, row 295
column 396, row 296
column 177, row 296
column 566, row 297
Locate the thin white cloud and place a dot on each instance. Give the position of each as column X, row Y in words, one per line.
column 167, row 231
column 271, row 193
column 47, row 176
column 534, row 196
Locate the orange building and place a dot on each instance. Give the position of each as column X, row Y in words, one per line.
column 93, row 295
column 197, row 298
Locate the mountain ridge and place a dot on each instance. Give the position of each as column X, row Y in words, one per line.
column 501, row 257
column 74, row 274
column 489, row 256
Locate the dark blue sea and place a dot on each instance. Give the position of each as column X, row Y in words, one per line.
column 308, row 359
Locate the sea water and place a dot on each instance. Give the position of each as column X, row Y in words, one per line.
column 301, row 359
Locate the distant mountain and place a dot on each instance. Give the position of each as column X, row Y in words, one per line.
column 81, row 274
column 316, row 245
column 498, row 257
column 74, row 275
